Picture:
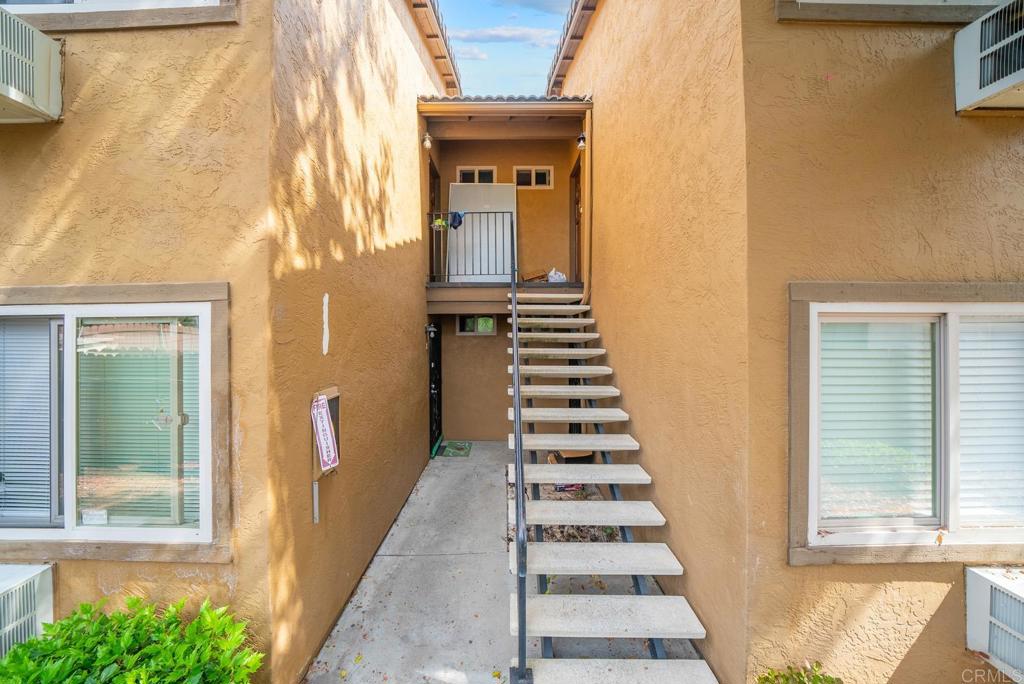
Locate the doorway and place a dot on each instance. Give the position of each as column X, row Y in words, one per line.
column 575, row 220
column 434, row 355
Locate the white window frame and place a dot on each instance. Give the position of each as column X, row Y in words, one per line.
column 461, row 317
column 946, row 530
column 476, row 173
column 533, row 177
column 70, row 314
column 105, row 6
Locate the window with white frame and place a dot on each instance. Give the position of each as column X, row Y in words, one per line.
column 916, row 424
column 534, row 177
column 56, row 6
column 926, row 11
column 477, row 174
column 105, row 422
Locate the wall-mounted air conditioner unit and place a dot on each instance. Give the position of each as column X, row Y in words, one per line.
column 989, row 62
column 26, row 602
column 30, row 73
column 995, row 618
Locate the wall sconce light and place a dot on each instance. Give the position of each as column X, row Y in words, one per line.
column 581, row 142
column 428, row 142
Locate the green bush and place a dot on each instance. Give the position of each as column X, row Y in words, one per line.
column 808, row 674
column 138, row 646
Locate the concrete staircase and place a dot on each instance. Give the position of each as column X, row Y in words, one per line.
column 553, row 330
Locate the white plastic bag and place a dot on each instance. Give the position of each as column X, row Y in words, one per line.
column 556, row 276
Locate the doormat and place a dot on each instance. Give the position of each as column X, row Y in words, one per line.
column 457, row 449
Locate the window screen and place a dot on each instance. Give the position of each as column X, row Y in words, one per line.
column 877, row 427
column 138, row 421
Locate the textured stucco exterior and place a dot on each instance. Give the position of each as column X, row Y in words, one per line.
column 859, row 170
column 348, row 194
column 669, row 280
column 280, row 154
column 159, row 173
column 849, row 164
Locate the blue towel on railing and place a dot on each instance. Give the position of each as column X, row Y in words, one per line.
column 455, row 219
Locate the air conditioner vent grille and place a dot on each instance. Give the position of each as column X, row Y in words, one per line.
column 1006, row 647
column 1002, row 24
column 17, row 55
column 1004, row 61
column 18, row 615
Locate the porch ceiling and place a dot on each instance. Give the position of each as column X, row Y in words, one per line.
column 504, row 118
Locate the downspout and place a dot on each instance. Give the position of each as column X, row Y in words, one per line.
column 588, row 206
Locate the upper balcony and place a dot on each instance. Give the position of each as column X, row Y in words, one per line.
column 508, row 182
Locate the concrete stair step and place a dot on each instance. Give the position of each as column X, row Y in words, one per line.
column 586, row 558
column 604, row 671
column 546, row 297
column 580, row 442
column 549, row 309
column 567, row 391
column 591, row 513
column 559, row 352
column 571, row 415
column 582, row 473
column 558, row 337
column 554, row 322
column 563, row 371
column 608, row 617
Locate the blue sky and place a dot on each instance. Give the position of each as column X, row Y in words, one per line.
column 504, row 47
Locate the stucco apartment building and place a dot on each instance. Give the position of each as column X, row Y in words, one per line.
column 764, row 192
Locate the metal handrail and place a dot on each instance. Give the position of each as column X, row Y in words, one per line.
column 521, row 674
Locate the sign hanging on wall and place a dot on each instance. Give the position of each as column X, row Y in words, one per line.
column 324, row 433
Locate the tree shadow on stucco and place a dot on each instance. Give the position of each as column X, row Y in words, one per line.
column 346, row 224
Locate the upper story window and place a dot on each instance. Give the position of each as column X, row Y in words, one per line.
column 105, row 422
column 538, row 177
column 917, row 11
column 54, row 6
column 477, row 174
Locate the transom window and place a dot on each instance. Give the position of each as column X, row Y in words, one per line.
column 105, row 419
column 541, row 177
column 916, row 424
column 477, row 174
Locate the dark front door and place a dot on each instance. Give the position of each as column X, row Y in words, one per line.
column 434, row 354
column 575, row 220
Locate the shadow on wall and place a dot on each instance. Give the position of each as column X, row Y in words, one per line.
column 898, row 617
column 346, row 223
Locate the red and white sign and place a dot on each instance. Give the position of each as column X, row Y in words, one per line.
column 323, row 432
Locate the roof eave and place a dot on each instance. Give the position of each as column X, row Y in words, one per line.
column 435, row 36
column 573, row 33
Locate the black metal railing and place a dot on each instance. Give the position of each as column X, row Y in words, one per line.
column 471, row 246
column 520, row 674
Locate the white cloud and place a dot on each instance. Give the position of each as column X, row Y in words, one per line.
column 551, row 6
column 471, row 52
column 538, row 37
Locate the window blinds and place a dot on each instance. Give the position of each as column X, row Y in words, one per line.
column 25, row 420
column 877, row 419
column 137, row 465
column 991, row 422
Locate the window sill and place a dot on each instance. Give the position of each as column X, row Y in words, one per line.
column 880, row 12
column 915, row 553
column 35, row 551
column 224, row 13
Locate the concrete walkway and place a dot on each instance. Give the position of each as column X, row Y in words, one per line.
column 433, row 605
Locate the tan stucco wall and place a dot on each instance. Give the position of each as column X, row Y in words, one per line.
column 475, row 382
column 159, row 173
column 543, row 215
column 669, row 280
column 859, row 170
column 347, row 221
